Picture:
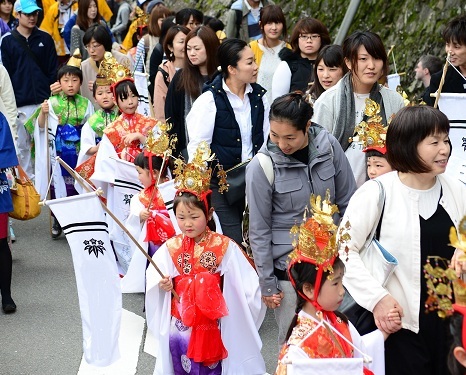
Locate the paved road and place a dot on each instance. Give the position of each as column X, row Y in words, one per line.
column 44, row 335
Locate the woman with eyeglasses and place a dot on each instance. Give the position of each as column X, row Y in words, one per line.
column 97, row 41
column 341, row 108
column 296, row 70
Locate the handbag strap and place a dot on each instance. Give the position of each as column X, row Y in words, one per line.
column 22, row 175
column 375, row 233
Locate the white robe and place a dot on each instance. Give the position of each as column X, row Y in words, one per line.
column 135, row 279
column 239, row 329
column 41, row 140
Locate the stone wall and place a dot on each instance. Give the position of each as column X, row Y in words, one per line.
column 413, row 27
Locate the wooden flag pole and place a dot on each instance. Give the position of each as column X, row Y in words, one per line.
column 112, row 215
column 442, row 81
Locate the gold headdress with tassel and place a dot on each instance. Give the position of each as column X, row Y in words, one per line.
column 371, row 133
column 75, row 59
column 142, row 18
column 161, row 144
column 194, row 177
column 113, row 70
column 315, row 239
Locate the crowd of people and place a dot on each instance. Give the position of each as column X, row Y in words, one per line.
column 267, row 123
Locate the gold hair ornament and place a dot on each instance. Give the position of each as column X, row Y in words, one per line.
column 314, row 241
column 75, row 59
column 161, row 143
column 372, row 134
column 112, row 70
column 195, row 176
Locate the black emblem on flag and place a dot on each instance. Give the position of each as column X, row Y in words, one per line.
column 94, row 246
column 127, row 198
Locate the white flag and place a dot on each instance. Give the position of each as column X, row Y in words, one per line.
column 135, row 279
column 454, row 107
column 141, row 83
column 125, row 186
column 96, row 273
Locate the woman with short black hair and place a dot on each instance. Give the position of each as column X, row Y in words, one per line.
column 421, row 204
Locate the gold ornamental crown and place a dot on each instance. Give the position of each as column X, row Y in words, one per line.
column 112, row 70
column 159, row 142
column 194, row 177
column 371, row 133
column 75, row 59
column 314, row 241
column 142, row 18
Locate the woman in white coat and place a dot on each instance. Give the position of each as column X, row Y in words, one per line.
column 421, row 205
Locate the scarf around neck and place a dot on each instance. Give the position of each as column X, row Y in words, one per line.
column 345, row 123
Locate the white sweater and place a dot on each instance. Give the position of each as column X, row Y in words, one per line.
column 400, row 234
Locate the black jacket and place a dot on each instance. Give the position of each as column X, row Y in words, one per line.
column 31, row 78
column 453, row 83
column 302, row 69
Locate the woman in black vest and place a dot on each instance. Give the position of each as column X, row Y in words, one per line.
column 296, row 70
column 232, row 117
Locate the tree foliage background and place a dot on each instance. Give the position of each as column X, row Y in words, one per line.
column 414, row 27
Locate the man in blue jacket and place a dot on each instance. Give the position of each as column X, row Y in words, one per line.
column 30, row 58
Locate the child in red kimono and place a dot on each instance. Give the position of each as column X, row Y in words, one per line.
column 316, row 272
column 213, row 327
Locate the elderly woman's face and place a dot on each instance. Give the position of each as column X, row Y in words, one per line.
column 96, row 50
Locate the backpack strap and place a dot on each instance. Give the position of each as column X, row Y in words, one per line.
column 267, row 165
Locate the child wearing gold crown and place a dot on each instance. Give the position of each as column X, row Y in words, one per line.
column 59, row 125
column 318, row 330
column 149, row 220
column 125, row 137
column 372, row 134
column 213, row 327
column 93, row 129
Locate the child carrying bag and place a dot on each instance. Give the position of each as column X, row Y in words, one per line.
column 25, row 197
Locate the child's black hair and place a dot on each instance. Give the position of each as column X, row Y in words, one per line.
column 306, row 273
column 70, row 70
column 191, row 200
column 122, row 90
column 371, row 153
column 142, row 161
column 456, row 329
